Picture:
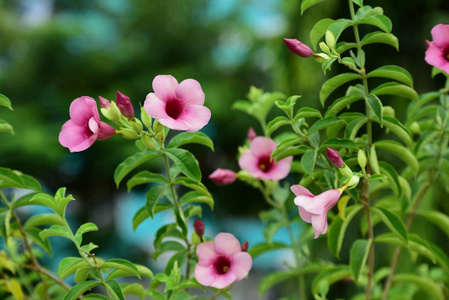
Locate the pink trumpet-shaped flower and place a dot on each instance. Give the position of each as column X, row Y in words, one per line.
column 314, row 209
column 256, row 160
column 223, row 176
column 84, row 126
column 221, row 262
column 177, row 106
column 437, row 53
column 298, row 48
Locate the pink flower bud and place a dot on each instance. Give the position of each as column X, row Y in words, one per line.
column 198, row 225
column 335, row 158
column 298, row 48
column 223, row 176
column 245, row 246
column 251, row 134
column 124, row 105
column 104, row 103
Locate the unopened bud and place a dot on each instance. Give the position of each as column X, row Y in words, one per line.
column 125, row 106
column 415, row 128
column 137, row 125
column 198, row 225
column 334, row 157
column 223, row 176
column 148, row 142
column 245, row 246
column 129, row 134
column 114, row 112
column 346, row 171
column 353, row 182
column 388, row 111
column 324, row 47
column 251, row 134
column 157, row 127
column 361, row 158
column 298, row 48
column 321, row 57
column 104, row 103
column 146, row 119
column 330, row 39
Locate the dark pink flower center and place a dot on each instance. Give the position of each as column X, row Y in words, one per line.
column 222, row 265
column 446, row 53
column 174, row 108
column 265, row 164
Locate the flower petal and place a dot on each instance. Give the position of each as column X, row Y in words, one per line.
column 319, row 224
column 440, row 35
column 206, row 253
column 189, row 92
column 262, row 146
column 226, row 245
column 309, row 204
column 76, row 138
column 435, row 57
column 299, row 190
column 82, row 109
column 241, row 264
column 165, row 87
column 249, row 162
column 154, row 106
column 205, row 275
column 195, row 117
column 305, row 216
column 223, row 281
column 279, row 170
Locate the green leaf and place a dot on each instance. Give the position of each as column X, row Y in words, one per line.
column 79, row 289
column 94, row 296
column 186, row 162
column 192, row 184
column 145, row 177
column 341, row 103
column 307, row 112
column 260, row 249
column 339, row 26
column 143, row 271
column 168, row 246
column 325, row 123
column 45, row 219
column 4, row 101
column 358, row 256
column 34, row 234
column 393, row 72
column 339, row 143
column 69, row 265
column 276, row 123
column 380, row 37
column 328, row 277
column 153, row 196
column 436, row 218
column 335, row 82
column 189, row 138
column 11, row 178
column 82, row 273
column 192, row 211
column 319, row 30
column 6, row 127
column 56, row 230
column 376, row 106
column 271, row 229
column 380, row 21
column 274, row 278
column 116, row 289
column 141, row 215
column 121, row 264
column 86, row 227
column 194, row 196
column 135, row 289
column 338, row 227
column 14, row 287
column 393, row 222
column 354, row 126
column 401, row 152
column 396, row 89
column 358, row 2
column 393, row 177
column 425, row 284
column 131, row 163
column 398, row 129
column 288, row 105
column 308, row 3
column 308, row 161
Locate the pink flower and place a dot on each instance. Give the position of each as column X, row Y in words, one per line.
column 256, row 160
column 221, row 262
column 437, row 53
column 251, row 134
column 177, row 106
column 198, row 225
column 124, row 105
column 298, row 48
column 223, row 176
column 335, row 157
column 84, row 126
column 314, row 209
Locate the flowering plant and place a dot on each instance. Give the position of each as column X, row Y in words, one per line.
column 355, row 177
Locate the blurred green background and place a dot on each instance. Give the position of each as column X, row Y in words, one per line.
column 53, row 51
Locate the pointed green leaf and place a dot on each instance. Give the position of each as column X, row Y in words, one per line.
column 380, row 37
column 339, row 143
column 44, row 219
column 358, row 256
column 79, row 289
column 194, row 196
column 192, row 184
column 10, row 178
column 393, row 177
column 305, row 4
column 328, row 277
column 393, row 222
column 308, row 161
column 398, row 129
column 141, row 215
column 396, row 89
column 307, row 112
column 153, row 196
column 56, row 230
column 145, row 177
column 143, row 271
column 186, row 162
column 274, row 278
column 131, row 163
column 376, row 106
column 86, row 227
column 339, row 26
column 82, row 273
column 436, row 218
column 380, row 21
column 135, row 289
column 393, row 72
column 319, row 30
column 353, row 127
column 276, row 123
column 189, row 138
column 335, row 82
column 401, row 152
column 6, row 127
column 260, row 249
column 341, row 103
column 4, row 101
column 325, row 123
column 425, row 284
column 121, row 264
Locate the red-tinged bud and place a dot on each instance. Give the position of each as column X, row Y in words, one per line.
column 335, row 158
column 245, row 246
column 251, row 134
column 124, row 105
column 104, row 103
column 198, row 225
column 223, row 176
column 298, row 48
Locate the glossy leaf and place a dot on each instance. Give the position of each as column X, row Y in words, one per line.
column 86, row 227
column 131, row 163
column 56, row 230
column 305, row 4
column 341, row 103
column 393, row 72
column 260, row 249
column 44, row 219
column 380, row 37
column 425, row 284
column 141, row 215
column 143, row 271
column 354, row 126
column 307, row 112
column 153, row 196
column 358, row 256
column 308, row 161
column 135, row 289
column 396, row 89
column 194, row 196
column 398, row 129
column 192, row 184
column 186, row 162
column 4, row 101
column 339, row 143
column 121, row 264
column 319, row 30
column 277, row 123
column 438, row 219
column 339, row 26
column 82, row 273
column 393, row 222
column 380, row 21
column 79, row 289
column 6, row 127
column 145, row 177
column 401, row 152
column 393, row 177
column 69, row 265
column 325, row 123
column 376, row 106
column 335, row 82
column 189, row 138
column 274, row 278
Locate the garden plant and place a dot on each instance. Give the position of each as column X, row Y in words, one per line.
column 356, row 174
